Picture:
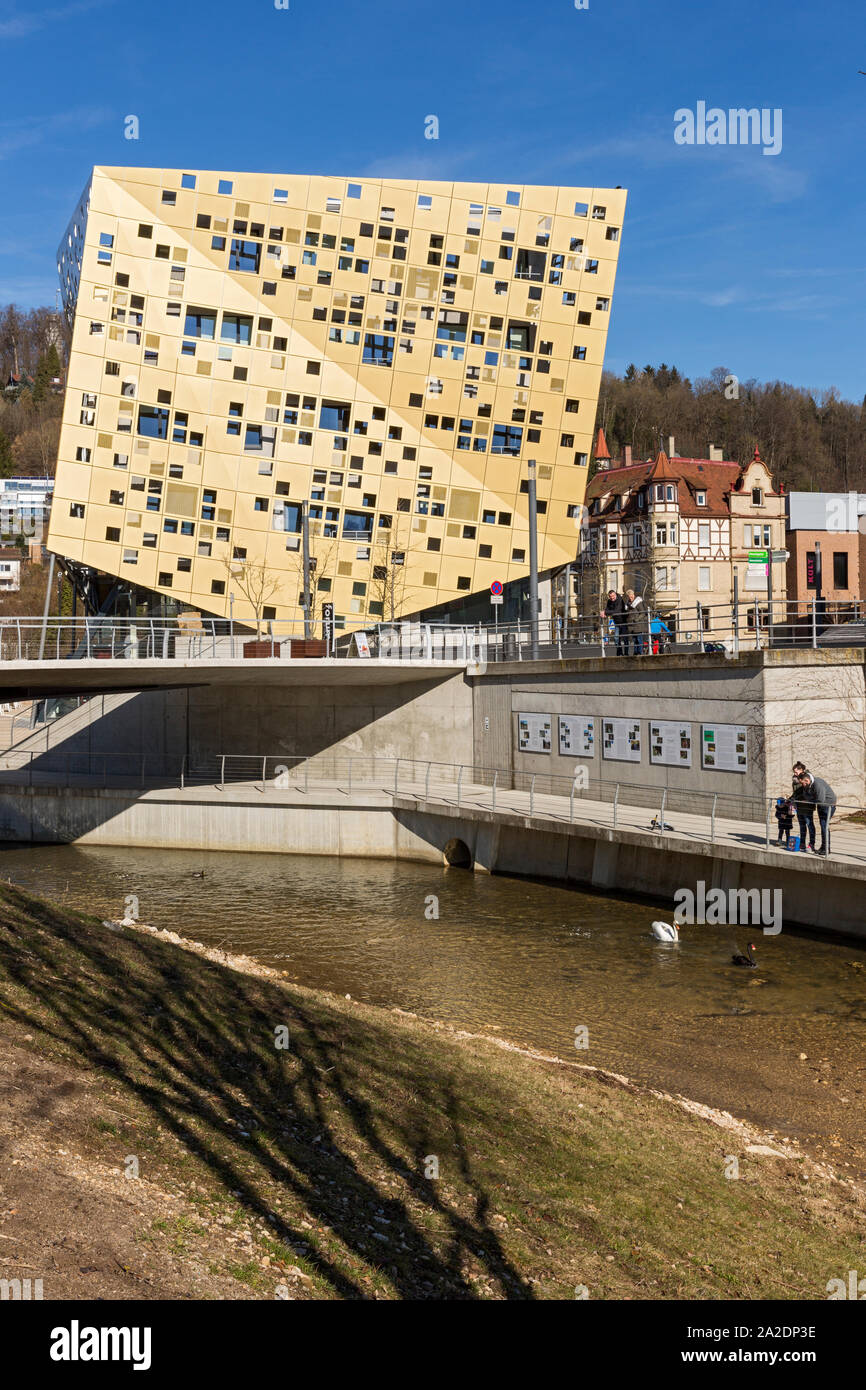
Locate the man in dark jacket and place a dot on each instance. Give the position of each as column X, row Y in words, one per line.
column 637, row 620
column 823, row 797
column 804, row 807
column 616, row 609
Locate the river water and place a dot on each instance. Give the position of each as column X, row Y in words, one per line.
column 527, row 961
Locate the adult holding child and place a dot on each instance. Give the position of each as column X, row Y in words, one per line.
column 804, row 807
column 823, row 798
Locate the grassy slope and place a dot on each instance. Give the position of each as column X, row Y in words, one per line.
column 549, row 1177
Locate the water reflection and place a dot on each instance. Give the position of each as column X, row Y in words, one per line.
column 523, row 960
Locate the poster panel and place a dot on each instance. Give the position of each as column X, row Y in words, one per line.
column 576, row 736
column 670, row 743
column 620, row 740
column 534, row 733
column 723, row 747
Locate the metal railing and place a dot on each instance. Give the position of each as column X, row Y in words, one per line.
column 648, row 631
column 617, row 805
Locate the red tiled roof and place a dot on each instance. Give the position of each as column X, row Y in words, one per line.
column 715, row 478
column 601, row 449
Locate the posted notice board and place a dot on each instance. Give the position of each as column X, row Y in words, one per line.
column 620, row 740
column 670, row 743
column 534, row 733
column 576, row 736
column 723, row 747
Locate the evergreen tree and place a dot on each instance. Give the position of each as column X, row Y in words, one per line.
column 7, row 462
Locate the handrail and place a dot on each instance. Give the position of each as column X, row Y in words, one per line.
column 495, row 789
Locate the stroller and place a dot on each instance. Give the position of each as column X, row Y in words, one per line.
column 660, row 636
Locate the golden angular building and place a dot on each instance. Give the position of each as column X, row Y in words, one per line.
column 386, row 354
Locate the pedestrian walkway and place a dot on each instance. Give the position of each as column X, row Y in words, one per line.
column 354, row 783
column 848, row 842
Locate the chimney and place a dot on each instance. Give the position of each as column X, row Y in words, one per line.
column 672, row 453
column 716, row 455
column 626, row 456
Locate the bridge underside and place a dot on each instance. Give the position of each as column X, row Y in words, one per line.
column 26, row 680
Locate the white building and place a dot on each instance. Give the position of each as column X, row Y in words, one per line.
column 25, row 506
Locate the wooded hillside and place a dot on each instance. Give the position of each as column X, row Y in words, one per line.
column 810, row 440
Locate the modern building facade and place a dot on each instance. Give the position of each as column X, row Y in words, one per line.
column 826, row 543
column 385, row 354
column 677, row 530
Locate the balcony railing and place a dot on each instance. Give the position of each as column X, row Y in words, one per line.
column 652, row 631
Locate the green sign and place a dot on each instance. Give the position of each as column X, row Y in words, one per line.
column 757, row 556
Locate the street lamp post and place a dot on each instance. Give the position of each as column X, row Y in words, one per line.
column 533, row 563
column 232, row 623
column 305, row 533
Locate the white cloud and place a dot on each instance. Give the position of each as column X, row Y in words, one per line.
column 27, row 22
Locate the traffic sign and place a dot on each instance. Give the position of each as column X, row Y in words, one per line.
column 758, row 557
column 780, row 556
column 496, row 587
column 496, row 598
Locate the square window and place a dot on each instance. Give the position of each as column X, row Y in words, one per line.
column 224, row 186
column 245, row 255
column 187, row 180
column 353, row 190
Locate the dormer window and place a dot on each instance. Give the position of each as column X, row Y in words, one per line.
column 640, row 499
column 623, row 498
column 757, row 497
column 701, row 499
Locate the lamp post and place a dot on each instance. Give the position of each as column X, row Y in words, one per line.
column 533, row 563
column 305, row 536
column 232, row 623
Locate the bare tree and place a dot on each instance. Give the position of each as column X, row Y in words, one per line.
column 389, row 586
column 257, row 583
column 323, row 564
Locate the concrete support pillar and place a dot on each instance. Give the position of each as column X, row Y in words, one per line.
column 486, row 850
column 604, row 864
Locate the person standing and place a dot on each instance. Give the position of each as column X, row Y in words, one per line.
column 616, row 609
column 804, row 807
column 636, row 620
column 823, row 797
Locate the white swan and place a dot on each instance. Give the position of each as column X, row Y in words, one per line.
column 663, row 931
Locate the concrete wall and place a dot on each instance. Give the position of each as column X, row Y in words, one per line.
column 151, row 722
column 818, row 894
column 426, row 720
column 429, row 720
column 797, row 705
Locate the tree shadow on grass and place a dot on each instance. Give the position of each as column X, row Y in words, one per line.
column 339, row 1124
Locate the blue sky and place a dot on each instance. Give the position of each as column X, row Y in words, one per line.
column 729, row 257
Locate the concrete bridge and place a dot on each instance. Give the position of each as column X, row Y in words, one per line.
column 443, row 814
column 159, row 732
